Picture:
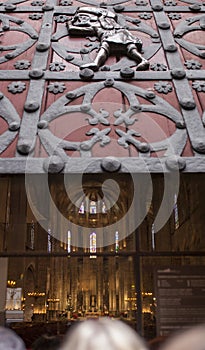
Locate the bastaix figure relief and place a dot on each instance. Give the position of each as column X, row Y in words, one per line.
column 113, row 38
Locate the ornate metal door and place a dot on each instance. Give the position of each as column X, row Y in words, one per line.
column 69, row 116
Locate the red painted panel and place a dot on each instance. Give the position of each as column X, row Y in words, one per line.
column 152, row 127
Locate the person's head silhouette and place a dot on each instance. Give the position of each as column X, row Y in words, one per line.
column 103, row 334
column 9, row 340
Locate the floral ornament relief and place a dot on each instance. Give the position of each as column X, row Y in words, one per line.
column 66, row 2
column 61, row 18
column 16, row 87
column 158, row 67
column 163, row 87
column 192, row 64
column 170, row 3
column 145, row 15
column 140, row 2
column 22, row 64
column 199, row 85
column 35, row 16
column 174, row 15
column 37, row 3
column 56, row 87
column 56, row 66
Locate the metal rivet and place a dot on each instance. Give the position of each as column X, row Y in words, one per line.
column 195, row 7
column 43, row 124
column 54, row 38
column 110, row 164
column 9, row 56
column 14, row 126
column 19, row 21
column 202, row 24
column 24, row 146
column 69, row 58
column 175, row 163
column 178, row 73
column 105, row 68
column 144, row 147
column 178, row 34
column 42, row 47
column 34, row 36
column 180, row 125
column 202, row 54
column 46, row 25
column 10, row 7
column 119, row 8
column 157, row 7
column 155, row 40
column 155, row 36
column 150, row 95
column 85, row 107
column 136, row 21
column 164, row 25
column 84, row 51
column 127, row 72
column 47, row 8
column 54, row 164
column 86, row 74
column 36, row 73
column 5, row 27
column 136, row 108
column 199, row 146
column 170, row 48
column 85, row 146
column 186, row 103
column 109, row 82
column 31, row 106
column 71, row 95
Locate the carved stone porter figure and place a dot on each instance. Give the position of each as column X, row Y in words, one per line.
column 102, row 23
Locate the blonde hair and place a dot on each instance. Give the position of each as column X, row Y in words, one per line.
column 190, row 339
column 103, row 334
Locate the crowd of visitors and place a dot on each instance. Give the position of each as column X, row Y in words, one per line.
column 106, row 334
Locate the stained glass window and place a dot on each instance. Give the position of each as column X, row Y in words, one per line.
column 32, row 235
column 69, row 241
column 176, row 214
column 93, row 244
column 82, row 208
column 104, row 210
column 153, row 237
column 116, row 241
column 93, row 207
column 49, row 241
